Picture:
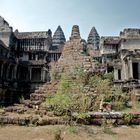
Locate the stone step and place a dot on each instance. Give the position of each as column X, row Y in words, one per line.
column 35, row 97
column 29, row 103
column 28, row 119
column 18, row 109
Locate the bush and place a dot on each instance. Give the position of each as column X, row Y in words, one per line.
column 72, row 95
column 118, row 106
column 68, row 99
column 127, row 118
column 108, row 76
column 62, row 100
column 21, row 99
column 119, row 99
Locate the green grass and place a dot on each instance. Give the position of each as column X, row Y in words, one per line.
column 73, row 129
column 132, row 109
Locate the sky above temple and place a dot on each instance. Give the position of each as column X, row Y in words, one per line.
column 108, row 16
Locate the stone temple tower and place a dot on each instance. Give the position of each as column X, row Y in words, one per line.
column 58, row 39
column 93, row 39
column 73, row 56
column 75, row 34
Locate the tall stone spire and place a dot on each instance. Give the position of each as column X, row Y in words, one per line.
column 75, row 34
column 93, row 38
column 58, row 39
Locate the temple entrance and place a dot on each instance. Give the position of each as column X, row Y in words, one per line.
column 5, row 71
column 110, row 69
column 11, row 71
column 135, row 70
column 36, row 74
column 119, row 74
column 23, row 73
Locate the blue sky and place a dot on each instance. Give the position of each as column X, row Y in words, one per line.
column 108, row 16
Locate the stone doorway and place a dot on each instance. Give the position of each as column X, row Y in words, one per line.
column 36, row 74
column 136, row 72
column 110, row 69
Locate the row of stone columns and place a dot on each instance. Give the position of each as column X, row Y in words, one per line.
column 14, row 74
column 44, row 71
column 10, row 67
column 32, row 44
column 126, row 71
column 55, row 56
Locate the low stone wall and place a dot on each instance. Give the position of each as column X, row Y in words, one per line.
column 98, row 118
column 14, row 120
column 114, row 118
column 31, row 120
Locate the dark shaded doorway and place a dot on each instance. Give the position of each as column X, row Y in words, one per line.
column 110, row 69
column 135, row 70
column 36, row 74
column 119, row 74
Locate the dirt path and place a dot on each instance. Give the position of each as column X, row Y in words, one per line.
column 48, row 133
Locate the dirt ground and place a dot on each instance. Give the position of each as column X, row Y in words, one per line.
column 82, row 133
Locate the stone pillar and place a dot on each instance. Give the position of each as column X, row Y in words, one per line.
column 42, row 74
column 28, row 46
column 1, row 70
column 103, row 60
column 36, row 57
column 115, row 74
column 127, row 71
column 35, row 44
column 51, row 56
column 7, row 72
column 30, row 73
column 15, row 72
column 20, row 44
column 130, row 69
column 124, row 71
column 12, row 72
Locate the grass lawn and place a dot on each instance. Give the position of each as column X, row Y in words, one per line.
column 69, row 133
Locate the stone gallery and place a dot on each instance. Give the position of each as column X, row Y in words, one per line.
column 26, row 58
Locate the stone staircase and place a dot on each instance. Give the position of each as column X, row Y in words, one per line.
column 32, row 111
column 39, row 96
column 30, row 108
